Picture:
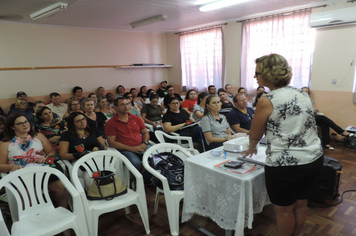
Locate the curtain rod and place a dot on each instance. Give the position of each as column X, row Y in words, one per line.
column 201, row 29
column 277, row 14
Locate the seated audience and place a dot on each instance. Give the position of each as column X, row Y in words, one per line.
column 49, row 126
column 161, row 91
column 198, row 110
column 104, row 107
column 148, row 93
column 325, row 124
column 190, row 101
column 258, row 97
column 95, row 120
column 214, row 125
column 135, row 109
column 2, row 113
column 2, row 126
column 229, row 93
column 21, row 106
column 22, row 146
column 259, row 90
column 142, row 94
column 243, row 91
column 120, row 91
column 240, row 116
column 128, row 134
column 23, row 95
column 79, row 139
column 152, row 113
column 135, row 98
column 36, row 106
column 100, row 92
column 93, row 97
column 73, row 106
column 110, row 97
column 171, row 94
column 56, row 106
column 212, row 90
column 176, row 118
column 78, row 94
column 225, row 103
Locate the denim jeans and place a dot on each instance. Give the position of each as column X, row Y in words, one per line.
column 136, row 161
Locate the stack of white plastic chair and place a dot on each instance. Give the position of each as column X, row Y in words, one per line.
column 110, row 160
column 172, row 197
column 36, row 213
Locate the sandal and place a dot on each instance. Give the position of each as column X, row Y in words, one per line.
column 329, row 147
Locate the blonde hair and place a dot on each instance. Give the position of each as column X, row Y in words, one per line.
column 275, row 70
column 18, row 101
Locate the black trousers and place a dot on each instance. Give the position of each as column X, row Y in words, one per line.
column 325, row 124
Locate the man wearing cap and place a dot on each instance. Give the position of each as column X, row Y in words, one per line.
column 162, row 89
column 21, row 95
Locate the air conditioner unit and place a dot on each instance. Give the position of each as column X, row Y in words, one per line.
column 333, row 18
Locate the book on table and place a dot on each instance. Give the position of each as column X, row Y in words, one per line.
column 244, row 169
column 259, row 158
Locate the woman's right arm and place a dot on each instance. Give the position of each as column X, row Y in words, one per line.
column 168, row 127
column 143, row 115
column 4, row 167
column 63, row 151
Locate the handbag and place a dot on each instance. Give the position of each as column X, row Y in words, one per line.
column 106, row 186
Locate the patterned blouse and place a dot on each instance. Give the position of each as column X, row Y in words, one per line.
column 21, row 152
column 291, row 133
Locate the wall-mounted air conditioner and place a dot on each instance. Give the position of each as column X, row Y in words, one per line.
column 333, row 18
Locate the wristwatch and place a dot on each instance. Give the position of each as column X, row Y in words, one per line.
column 145, row 143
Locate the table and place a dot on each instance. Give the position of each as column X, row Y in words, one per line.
column 228, row 199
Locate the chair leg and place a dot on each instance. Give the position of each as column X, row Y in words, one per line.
column 155, row 208
column 93, row 225
column 173, row 217
column 144, row 217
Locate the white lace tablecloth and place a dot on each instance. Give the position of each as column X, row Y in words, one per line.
column 228, row 199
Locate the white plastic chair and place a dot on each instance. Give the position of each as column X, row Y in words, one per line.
column 174, row 136
column 109, row 160
column 172, row 197
column 36, row 213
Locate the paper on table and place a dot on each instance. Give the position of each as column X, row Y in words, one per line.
column 260, row 158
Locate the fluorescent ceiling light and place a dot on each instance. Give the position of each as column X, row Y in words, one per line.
column 148, row 21
column 50, row 10
column 220, row 4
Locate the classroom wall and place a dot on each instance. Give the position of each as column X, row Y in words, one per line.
column 27, row 45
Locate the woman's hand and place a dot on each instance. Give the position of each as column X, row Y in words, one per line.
column 15, row 167
column 95, row 149
column 41, row 160
column 154, row 125
column 249, row 152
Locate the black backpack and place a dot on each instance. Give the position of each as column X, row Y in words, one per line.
column 350, row 141
column 171, row 167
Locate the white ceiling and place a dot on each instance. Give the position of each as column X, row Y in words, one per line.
column 118, row 14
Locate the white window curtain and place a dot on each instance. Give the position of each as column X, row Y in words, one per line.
column 202, row 59
column 287, row 35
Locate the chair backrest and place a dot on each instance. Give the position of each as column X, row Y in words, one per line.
column 101, row 160
column 29, row 186
column 177, row 150
column 160, row 136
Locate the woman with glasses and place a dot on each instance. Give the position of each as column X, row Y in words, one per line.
column 22, row 146
column 96, row 120
column 79, row 139
column 49, row 126
column 294, row 155
column 22, row 107
column 73, row 106
column 103, row 107
column 177, row 118
column 135, row 108
column 214, row 125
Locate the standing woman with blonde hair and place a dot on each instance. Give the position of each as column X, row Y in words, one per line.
column 294, row 155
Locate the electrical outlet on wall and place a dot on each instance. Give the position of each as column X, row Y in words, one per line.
column 334, row 81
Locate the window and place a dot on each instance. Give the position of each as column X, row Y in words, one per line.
column 287, row 35
column 201, row 59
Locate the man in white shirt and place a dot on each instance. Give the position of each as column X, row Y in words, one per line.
column 56, row 106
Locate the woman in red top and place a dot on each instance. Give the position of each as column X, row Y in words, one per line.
column 190, row 101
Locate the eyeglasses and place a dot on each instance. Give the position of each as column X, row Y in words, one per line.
column 257, row 73
column 124, row 104
column 80, row 120
column 23, row 103
column 22, row 123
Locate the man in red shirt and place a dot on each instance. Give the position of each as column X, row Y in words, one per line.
column 127, row 133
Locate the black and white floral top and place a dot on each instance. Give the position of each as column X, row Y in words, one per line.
column 291, row 133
